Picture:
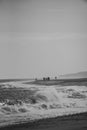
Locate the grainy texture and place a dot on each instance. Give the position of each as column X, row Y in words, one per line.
column 73, row 122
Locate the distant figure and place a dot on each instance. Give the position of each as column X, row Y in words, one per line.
column 36, row 79
column 55, row 78
column 48, row 78
column 44, row 78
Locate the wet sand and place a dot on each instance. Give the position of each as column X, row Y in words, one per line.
column 71, row 122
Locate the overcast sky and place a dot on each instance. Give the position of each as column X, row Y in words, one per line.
column 42, row 37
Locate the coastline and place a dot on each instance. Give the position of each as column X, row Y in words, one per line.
column 67, row 122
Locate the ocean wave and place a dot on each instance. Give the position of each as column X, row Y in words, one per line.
column 45, row 102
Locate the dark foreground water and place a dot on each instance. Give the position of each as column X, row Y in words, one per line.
column 73, row 122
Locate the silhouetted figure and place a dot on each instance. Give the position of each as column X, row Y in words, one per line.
column 44, row 78
column 48, row 78
column 55, row 78
column 35, row 79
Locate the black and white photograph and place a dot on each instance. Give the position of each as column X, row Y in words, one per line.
column 43, row 64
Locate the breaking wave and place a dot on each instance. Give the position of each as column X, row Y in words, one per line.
column 44, row 102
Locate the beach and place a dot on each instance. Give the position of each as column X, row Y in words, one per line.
column 71, row 122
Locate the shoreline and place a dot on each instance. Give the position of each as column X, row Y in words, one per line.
column 67, row 122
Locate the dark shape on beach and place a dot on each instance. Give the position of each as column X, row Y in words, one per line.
column 35, row 79
column 55, row 78
column 46, row 79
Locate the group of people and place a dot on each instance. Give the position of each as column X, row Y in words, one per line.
column 46, row 78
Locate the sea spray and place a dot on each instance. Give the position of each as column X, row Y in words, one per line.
column 45, row 102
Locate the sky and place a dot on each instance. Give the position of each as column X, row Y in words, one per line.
column 42, row 37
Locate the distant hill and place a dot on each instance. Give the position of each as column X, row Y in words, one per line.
column 74, row 75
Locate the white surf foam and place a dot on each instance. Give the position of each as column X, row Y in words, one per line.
column 52, row 101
